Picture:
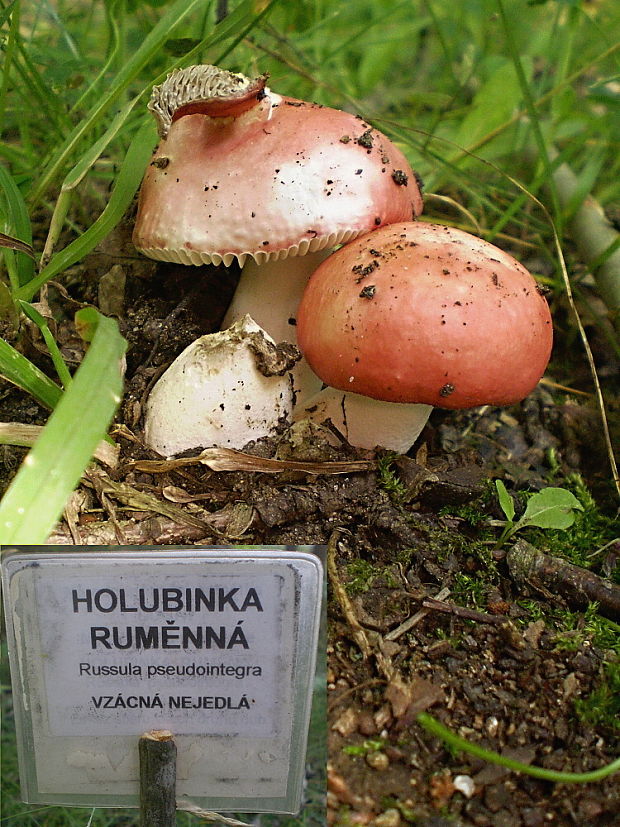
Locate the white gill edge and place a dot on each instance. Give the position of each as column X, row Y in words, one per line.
column 182, row 255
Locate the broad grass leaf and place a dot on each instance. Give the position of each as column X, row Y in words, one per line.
column 376, row 61
column 52, row 469
column 127, row 182
column 551, row 508
column 22, row 372
column 494, row 103
column 14, row 220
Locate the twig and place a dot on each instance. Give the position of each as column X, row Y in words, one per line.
column 209, row 815
column 578, row 586
column 359, row 634
column 229, row 459
column 142, row 501
column 151, row 531
column 414, row 619
column 351, row 691
column 18, row 433
column 384, row 663
column 461, row 611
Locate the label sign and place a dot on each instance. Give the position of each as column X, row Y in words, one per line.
column 216, row 645
column 155, row 648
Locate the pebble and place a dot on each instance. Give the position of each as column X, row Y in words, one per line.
column 378, row 761
column 464, row 784
column 389, row 818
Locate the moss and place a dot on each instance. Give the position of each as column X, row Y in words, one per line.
column 573, row 630
column 468, row 590
column 360, row 576
column 388, row 479
column 602, row 706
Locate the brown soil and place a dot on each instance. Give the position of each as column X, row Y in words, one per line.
column 396, row 538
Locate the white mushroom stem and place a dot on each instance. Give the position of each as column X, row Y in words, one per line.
column 216, row 393
column 367, row 423
column 270, row 293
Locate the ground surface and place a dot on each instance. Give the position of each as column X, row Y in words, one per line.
column 505, row 663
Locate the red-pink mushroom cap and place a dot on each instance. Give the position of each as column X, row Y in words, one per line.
column 424, row 313
column 241, row 171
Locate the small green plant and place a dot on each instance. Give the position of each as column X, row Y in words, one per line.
column 572, row 630
column 549, row 508
column 388, row 478
column 575, row 628
column 371, row 745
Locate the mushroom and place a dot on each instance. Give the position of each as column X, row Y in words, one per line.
column 419, row 315
column 225, row 389
column 244, row 174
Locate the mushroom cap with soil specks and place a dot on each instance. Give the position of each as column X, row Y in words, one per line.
column 241, row 171
column 425, row 313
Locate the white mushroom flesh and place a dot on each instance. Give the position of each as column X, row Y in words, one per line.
column 215, row 394
column 367, row 423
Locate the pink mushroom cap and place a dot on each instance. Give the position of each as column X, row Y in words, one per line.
column 267, row 177
column 424, row 313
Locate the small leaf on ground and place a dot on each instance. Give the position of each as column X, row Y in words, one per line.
column 505, row 500
column 551, row 508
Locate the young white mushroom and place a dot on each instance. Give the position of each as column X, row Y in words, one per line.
column 225, row 389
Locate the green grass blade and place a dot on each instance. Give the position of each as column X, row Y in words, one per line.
column 76, row 175
column 54, row 351
column 531, row 109
column 7, row 12
column 127, row 182
column 23, row 373
column 52, row 469
column 15, row 221
column 237, row 24
column 90, row 157
column 113, row 11
column 11, row 11
column 151, row 45
column 38, row 93
column 456, row 742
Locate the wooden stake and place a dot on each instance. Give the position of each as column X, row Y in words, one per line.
column 158, row 773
